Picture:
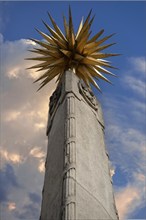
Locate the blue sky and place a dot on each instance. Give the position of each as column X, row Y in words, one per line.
column 24, row 112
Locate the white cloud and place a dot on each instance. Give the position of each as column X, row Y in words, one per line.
column 125, row 116
column 12, row 115
column 37, row 152
column 140, row 177
column 14, row 72
column 11, row 157
column 1, row 38
column 124, row 199
column 140, row 106
column 127, row 146
column 23, row 112
column 135, row 78
column 139, row 63
column 11, row 206
column 15, row 66
column 136, row 84
column 112, row 172
column 41, row 166
column 131, row 197
column 39, row 126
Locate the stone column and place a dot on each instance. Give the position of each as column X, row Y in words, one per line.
column 77, row 182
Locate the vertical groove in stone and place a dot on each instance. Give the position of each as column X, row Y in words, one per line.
column 69, row 184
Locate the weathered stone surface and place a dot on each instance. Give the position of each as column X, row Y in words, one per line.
column 77, row 180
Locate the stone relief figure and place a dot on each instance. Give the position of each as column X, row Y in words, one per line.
column 54, row 99
column 88, row 95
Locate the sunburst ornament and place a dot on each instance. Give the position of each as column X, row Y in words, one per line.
column 76, row 51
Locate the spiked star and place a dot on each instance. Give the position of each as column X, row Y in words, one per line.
column 77, row 52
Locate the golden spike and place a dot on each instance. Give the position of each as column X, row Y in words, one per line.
column 95, row 73
column 47, row 81
column 89, row 61
column 99, row 68
column 60, row 43
column 54, row 71
column 78, row 57
column 46, row 52
column 95, row 44
column 80, row 28
column 60, row 76
column 90, row 23
column 43, row 44
column 49, row 78
column 39, row 52
column 104, row 47
column 83, row 33
column 59, row 32
column 82, row 68
column 103, row 55
column 55, row 54
column 95, row 84
column 90, row 78
column 71, row 31
column 99, row 75
column 86, row 71
column 54, row 33
column 38, row 65
column 57, row 62
column 43, row 58
column 90, row 46
column 81, row 74
column 85, row 25
column 44, row 67
column 96, row 36
column 97, row 49
column 47, row 73
column 72, row 40
column 92, row 72
column 66, row 28
column 47, row 37
column 103, row 63
column 66, row 52
column 71, row 28
column 82, row 42
column 104, row 39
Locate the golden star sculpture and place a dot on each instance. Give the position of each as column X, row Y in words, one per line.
column 73, row 51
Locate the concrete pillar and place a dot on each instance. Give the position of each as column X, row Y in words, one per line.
column 77, row 182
